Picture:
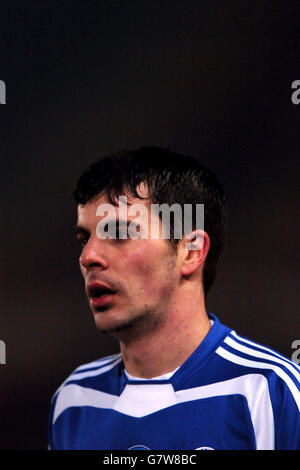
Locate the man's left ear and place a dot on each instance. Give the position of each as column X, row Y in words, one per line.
column 197, row 245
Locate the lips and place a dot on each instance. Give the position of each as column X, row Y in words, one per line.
column 100, row 294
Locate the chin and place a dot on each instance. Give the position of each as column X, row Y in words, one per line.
column 112, row 327
column 121, row 329
column 124, row 324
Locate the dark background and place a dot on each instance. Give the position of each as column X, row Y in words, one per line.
column 86, row 78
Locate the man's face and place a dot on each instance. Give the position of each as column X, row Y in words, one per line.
column 141, row 274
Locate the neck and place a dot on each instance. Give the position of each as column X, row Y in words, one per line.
column 166, row 347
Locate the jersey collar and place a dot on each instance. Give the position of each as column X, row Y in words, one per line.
column 193, row 363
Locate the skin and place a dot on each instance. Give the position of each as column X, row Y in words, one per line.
column 158, row 314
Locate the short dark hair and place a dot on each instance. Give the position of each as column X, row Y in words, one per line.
column 170, row 177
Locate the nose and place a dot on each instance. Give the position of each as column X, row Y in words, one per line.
column 93, row 254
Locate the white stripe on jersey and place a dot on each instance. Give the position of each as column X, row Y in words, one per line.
column 143, row 399
column 262, row 365
column 264, row 348
column 98, row 363
column 91, row 373
column 256, row 353
column 75, row 395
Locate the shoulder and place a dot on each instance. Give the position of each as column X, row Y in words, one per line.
column 90, row 384
column 102, row 365
column 84, row 374
column 249, row 357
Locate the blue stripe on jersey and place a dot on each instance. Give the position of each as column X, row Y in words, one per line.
column 164, row 430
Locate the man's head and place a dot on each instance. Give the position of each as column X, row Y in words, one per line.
column 145, row 272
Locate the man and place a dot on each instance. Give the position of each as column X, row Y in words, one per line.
column 182, row 380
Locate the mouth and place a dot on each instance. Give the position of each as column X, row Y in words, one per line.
column 100, row 295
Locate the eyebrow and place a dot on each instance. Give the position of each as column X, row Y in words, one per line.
column 79, row 229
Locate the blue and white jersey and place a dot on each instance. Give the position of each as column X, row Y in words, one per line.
column 230, row 394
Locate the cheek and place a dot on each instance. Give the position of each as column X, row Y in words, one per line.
column 148, row 273
column 139, row 268
column 136, row 263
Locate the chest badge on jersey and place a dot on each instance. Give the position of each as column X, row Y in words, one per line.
column 204, row 448
column 138, row 447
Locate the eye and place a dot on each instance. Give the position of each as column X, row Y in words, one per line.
column 83, row 239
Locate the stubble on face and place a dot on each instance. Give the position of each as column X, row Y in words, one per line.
column 142, row 320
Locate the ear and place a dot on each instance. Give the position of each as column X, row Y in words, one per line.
column 196, row 248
